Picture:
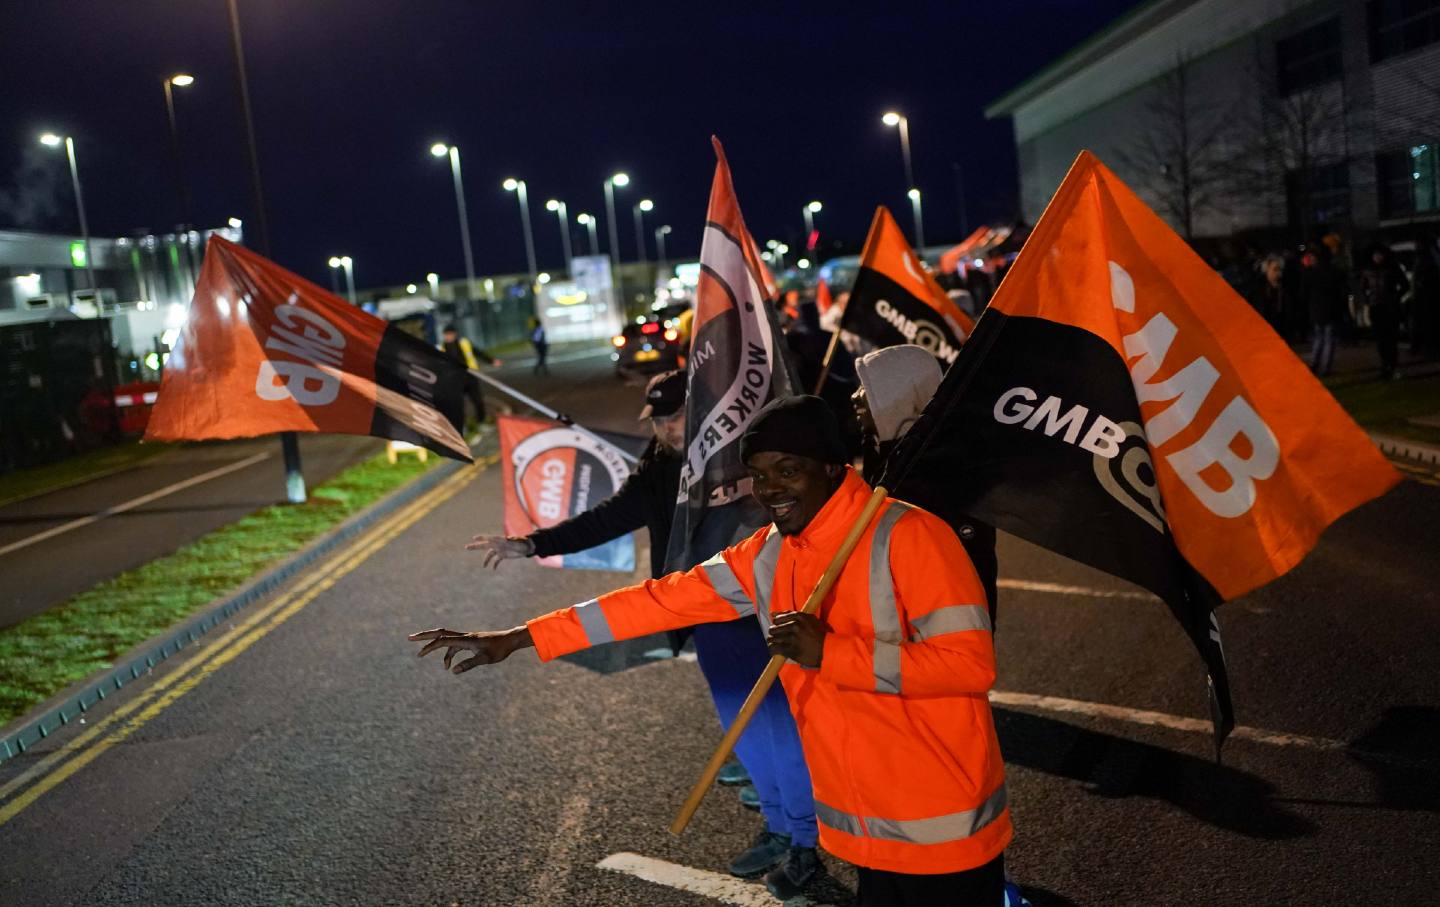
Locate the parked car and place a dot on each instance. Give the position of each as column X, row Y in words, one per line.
column 653, row 343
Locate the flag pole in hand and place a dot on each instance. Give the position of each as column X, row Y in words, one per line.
column 772, row 670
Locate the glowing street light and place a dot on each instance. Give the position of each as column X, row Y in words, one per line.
column 518, row 187
column 809, row 212
column 894, row 119
column 563, row 213
column 914, row 195
column 411, row 288
column 589, row 223
column 433, row 280
column 345, row 263
column 440, row 149
column 51, row 140
column 178, row 80
column 639, row 211
column 622, row 180
column 660, row 233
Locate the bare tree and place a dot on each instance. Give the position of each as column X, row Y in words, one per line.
column 1179, row 157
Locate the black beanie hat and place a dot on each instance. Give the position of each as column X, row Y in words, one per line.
column 803, row 426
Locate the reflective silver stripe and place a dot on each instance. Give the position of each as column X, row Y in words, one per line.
column 950, row 619
column 884, row 615
column 727, row 585
column 766, row 562
column 840, row 821
column 597, row 628
column 933, row 830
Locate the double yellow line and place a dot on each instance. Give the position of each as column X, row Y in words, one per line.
column 55, row 768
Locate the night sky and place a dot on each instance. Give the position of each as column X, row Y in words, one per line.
column 349, row 96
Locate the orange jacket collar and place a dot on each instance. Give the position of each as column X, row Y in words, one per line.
column 829, row 526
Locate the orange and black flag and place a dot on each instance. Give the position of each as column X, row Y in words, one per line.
column 895, row 300
column 1119, row 404
column 264, row 350
column 737, row 364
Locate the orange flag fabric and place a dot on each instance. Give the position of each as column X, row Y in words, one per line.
column 1120, row 404
column 823, row 299
column 895, row 300
column 263, row 350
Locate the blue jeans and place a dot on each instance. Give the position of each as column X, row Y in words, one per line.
column 732, row 656
column 1322, row 350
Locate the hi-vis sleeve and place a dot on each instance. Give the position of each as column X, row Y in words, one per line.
column 932, row 626
column 718, row 590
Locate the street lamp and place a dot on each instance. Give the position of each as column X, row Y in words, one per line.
column 563, row 214
column 639, row 211
column 433, row 280
column 892, row 118
column 52, row 140
column 440, row 149
column 660, row 233
column 518, row 187
column 809, row 212
column 344, row 262
column 178, row 80
column 619, row 179
column 591, row 226
column 919, row 222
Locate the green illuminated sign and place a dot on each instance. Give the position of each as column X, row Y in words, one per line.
column 77, row 254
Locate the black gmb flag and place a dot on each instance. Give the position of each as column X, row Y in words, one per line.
column 1119, row 404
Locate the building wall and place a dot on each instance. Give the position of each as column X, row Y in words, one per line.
column 1230, row 46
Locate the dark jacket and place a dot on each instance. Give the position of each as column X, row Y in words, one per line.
column 1383, row 285
column 978, row 538
column 646, row 499
column 1323, row 287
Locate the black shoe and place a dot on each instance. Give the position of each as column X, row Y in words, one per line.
column 789, row 879
column 768, row 850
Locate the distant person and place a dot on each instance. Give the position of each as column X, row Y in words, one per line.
column 731, row 653
column 1382, row 284
column 468, row 355
column 1270, row 294
column 541, row 345
column 1322, row 286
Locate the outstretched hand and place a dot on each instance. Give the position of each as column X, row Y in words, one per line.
column 498, row 548
column 490, row 646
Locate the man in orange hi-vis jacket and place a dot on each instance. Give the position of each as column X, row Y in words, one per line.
column 888, row 682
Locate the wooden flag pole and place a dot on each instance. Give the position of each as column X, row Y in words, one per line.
column 825, row 363
column 772, row 670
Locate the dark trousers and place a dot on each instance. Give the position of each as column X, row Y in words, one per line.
column 983, row 886
column 1385, row 321
column 472, row 392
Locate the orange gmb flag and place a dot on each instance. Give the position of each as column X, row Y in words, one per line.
column 1119, row 403
column 550, row 473
column 895, row 300
column 264, row 350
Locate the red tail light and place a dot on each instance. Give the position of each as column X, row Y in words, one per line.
column 650, row 327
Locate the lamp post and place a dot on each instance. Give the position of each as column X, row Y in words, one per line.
column 345, row 262
column 433, row 280
column 639, row 211
column 902, row 122
column 919, row 222
column 52, row 140
column 809, row 211
column 563, row 214
column 178, row 80
column 660, row 233
column 440, row 149
column 622, row 180
column 590, row 225
column 518, row 187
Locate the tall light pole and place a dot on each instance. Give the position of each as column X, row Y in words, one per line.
column 589, row 221
column 563, row 214
column 518, row 187
column 893, row 118
column 919, row 222
column 660, row 233
column 289, row 445
column 345, row 262
column 809, row 211
column 618, row 179
column 433, row 280
column 639, row 211
column 178, row 80
column 52, row 140
column 440, row 149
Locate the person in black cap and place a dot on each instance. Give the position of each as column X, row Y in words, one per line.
column 646, row 499
column 468, row 355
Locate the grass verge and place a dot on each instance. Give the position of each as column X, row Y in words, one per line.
column 27, row 483
column 46, row 653
column 1387, row 406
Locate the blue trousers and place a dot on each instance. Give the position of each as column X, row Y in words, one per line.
column 732, row 656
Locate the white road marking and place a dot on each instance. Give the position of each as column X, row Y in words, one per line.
column 1026, row 585
column 723, row 888
column 1157, row 719
column 135, row 502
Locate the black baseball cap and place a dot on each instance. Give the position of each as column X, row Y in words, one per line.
column 664, row 395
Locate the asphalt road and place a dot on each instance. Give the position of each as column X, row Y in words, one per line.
column 185, row 493
column 311, row 759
